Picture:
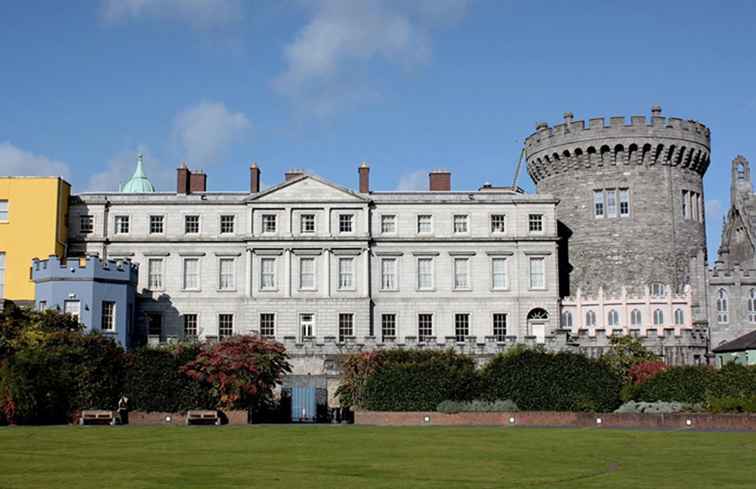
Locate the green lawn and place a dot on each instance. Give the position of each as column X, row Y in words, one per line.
column 345, row 457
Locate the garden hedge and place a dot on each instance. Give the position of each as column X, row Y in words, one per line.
column 541, row 381
column 699, row 385
column 418, row 380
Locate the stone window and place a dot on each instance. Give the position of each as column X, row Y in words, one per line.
column 499, row 273
column 566, row 320
column 190, row 326
column 268, row 273
column 635, row 317
column 345, row 223
column 537, row 272
column 611, row 203
column 155, row 274
column 722, row 306
column 267, row 324
column 227, row 224
column 424, row 224
column 225, row 325
column 346, row 326
column 612, row 318
column 679, row 317
column 191, row 224
column 461, row 273
column 307, row 273
column 307, row 223
column 122, row 224
column 498, row 223
column 346, row 273
column 388, row 326
column 752, row 306
column 3, row 211
column 269, row 223
column 226, row 274
column 685, row 204
column 590, row 319
column 535, row 223
column 461, row 224
column 500, row 327
column 598, row 203
column 425, row 273
column 191, row 274
column 424, row 326
column 86, row 224
column 658, row 317
column 624, row 202
column 108, row 316
column 156, row 224
column 388, row 224
column 461, row 327
column 388, row 274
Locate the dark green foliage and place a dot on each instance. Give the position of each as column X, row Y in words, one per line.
column 681, row 384
column 154, row 381
column 537, row 380
column 418, row 380
column 731, row 404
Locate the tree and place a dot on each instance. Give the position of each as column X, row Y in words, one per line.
column 624, row 352
column 241, row 370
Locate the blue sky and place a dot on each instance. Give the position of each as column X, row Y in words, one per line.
column 321, row 85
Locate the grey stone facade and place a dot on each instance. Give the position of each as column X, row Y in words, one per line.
column 658, row 164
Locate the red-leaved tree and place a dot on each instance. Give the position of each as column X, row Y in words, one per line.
column 241, row 370
column 641, row 372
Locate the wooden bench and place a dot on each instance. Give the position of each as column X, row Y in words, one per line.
column 97, row 416
column 201, row 416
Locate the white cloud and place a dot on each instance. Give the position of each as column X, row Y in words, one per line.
column 341, row 35
column 413, row 181
column 14, row 161
column 201, row 14
column 120, row 168
column 205, row 131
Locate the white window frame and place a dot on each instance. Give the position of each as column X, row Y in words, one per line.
column 494, row 273
column 422, row 337
column 623, row 198
column 121, row 222
column 499, row 337
column 612, row 318
column 160, row 275
column 112, row 326
column 313, row 325
column 304, row 221
column 233, row 224
column 150, row 223
column 531, row 284
column 421, row 221
column 265, row 220
column 533, row 221
column 345, row 219
column 272, row 273
column 260, row 324
column 431, row 261
column 222, row 284
column 502, row 222
column 394, row 269
column 679, row 316
column 636, row 317
column 464, row 284
column 186, row 224
column 184, row 282
column 185, row 318
column 345, row 277
column 314, row 273
column 611, row 203
column 388, row 219
column 599, row 206
column 394, row 320
column 467, row 318
column 348, row 318
column 91, row 223
column 225, row 315
column 77, row 310
column 464, row 221
column 658, row 317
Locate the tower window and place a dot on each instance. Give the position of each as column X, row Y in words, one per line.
column 624, row 202
column 598, row 203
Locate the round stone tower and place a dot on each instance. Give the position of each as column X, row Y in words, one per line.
column 631, row 202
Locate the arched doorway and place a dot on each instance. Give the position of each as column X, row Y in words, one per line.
column 537, row 319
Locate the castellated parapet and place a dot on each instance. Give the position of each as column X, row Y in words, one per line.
column 631, row 210
column 91, row 268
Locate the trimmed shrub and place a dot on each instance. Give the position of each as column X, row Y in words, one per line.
column 659, row 407
column 731, row 404
column 419, row 380
column 477, row 406
column 537, row 380
column 154, row 381
column 681, row 384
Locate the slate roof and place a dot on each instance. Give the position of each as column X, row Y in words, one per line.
column 745, row 342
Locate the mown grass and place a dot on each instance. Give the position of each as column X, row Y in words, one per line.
column 347, row 457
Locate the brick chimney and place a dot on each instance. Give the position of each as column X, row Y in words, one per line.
column 254, row 178
column 292, row 174
column 182, row 178
column 364, row 171
column 197, row 181
column 439, row 181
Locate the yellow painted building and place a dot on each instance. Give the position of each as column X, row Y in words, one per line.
column 33, row 223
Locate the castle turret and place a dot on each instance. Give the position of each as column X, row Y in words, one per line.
column 631, row 209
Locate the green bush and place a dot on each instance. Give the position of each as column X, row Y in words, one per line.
column 681, row 384
column 154, row 381
column 731, row 404
column 477, row 406
column 418, row 380
column 538, row 380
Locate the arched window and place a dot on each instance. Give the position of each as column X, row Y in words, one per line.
column 635, row 317
column 658, row 289
column 538, row 314
column 722, row 316
column 679, row 317
column 566, row 319
column 752, row 306
column 658, row 317
column 590, row 319
column 612, row 318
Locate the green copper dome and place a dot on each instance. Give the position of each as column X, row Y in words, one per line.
column 138, row 183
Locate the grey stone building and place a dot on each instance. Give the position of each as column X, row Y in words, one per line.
column 732, row 279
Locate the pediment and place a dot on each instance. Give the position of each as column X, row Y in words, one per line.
column 308, row 189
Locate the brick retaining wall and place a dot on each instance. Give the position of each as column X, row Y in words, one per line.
column 741, row 422
column 153, row 418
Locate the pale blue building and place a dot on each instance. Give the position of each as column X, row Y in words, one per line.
column 102, row 294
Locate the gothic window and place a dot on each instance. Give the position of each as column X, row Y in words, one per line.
column 679, row 317
column 635, row 317
column 566, row 319
column 658, row 317
column 752, row 306
column 613, row 318
column 722, row 316
column 590, row 319
column 658, row 289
